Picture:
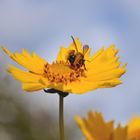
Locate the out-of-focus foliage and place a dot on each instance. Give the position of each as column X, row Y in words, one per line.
column 19, row 122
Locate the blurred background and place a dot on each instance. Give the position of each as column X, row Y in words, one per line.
column 45, row 25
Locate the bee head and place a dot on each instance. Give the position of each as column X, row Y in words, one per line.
column 71, row 57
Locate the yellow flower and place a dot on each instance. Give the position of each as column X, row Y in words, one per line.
column 134, row 128
column 94, row 127
column 101, row 70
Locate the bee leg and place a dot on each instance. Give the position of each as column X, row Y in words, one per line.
column 85, row 67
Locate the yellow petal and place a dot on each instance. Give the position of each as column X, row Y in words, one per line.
column 32, row 62
column 30, row 81
column 6, row 51
column 23, row 76
column 97, row 54
column 97, row 123
column 103, row 57
column 83, row 127
column 120, row 133
column 106, row 75
column 109, row 83
column 134, row 128
column 30, row 87
column 77, row 87
column 98, row 67
column 62, row 55
column 80, row 87
column 105, row 69
column 94, row 127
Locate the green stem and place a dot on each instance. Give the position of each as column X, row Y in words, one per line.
column 61, row 117
column 61, row 110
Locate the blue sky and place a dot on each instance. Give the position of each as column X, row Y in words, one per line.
column 44, row 25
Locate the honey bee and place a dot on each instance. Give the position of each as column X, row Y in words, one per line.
column 76, row 58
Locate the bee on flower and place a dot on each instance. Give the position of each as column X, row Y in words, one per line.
column 76, row 58
column 73, row 71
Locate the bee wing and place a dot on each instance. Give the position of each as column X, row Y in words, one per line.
column 85, row 49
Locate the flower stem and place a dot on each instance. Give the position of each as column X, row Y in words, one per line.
column 61, row 109
column 61, row 117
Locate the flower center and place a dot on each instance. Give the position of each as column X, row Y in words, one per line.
column 60, row 72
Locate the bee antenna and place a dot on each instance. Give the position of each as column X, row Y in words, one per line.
column 74, row 43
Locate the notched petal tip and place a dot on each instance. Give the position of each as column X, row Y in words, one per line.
column 78, row 119
column 6, row 50
column 105, row 69
column 32, row 62
column 11, row 68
